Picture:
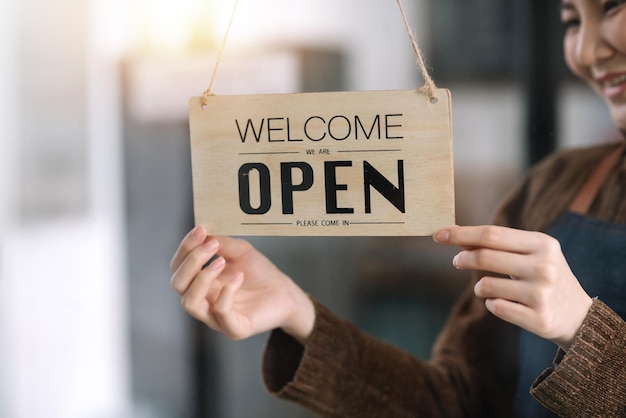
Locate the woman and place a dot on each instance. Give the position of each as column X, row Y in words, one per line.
column 558, row 256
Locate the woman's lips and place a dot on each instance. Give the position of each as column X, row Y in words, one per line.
column 613, row 86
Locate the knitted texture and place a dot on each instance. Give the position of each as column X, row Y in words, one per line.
column 343, row 372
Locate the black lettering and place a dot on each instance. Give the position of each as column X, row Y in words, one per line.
column 357, row 124
column 373, row 178
column 288, row 187
column 306, row 132
column 330, row 130
column 264, row 187
column 250, row 125
column 331, row 186
column 388, row 125
column 289, row 138
column 270, row 129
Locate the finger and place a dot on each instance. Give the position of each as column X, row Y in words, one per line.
column 501, row 288
column 511, row 312
column 195, row 300
column 490, row 236
column 194, row 238
column 227, row 318
column 192, row 265
column 233, row 248
column 510, row 264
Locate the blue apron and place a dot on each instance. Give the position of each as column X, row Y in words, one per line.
column 595, row 251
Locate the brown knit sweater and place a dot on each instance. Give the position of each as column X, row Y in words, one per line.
column 343, row 372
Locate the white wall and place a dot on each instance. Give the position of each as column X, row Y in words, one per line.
column 8, row 141
column 371, row 32
column 65, row 334
column 583, row 117
column 63, row 342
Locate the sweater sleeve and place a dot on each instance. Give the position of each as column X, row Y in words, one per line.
column 590, row 380
column 343, row 372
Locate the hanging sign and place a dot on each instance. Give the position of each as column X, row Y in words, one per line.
column 346, row 163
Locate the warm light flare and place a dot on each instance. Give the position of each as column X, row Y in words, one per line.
column 170, row 26
column 182, row 25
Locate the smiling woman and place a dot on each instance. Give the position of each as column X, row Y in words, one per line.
column 595, row 50
column 526, row 338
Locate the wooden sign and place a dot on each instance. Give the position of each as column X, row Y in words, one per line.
column 346, row 163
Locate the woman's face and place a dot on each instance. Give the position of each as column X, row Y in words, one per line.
column 595, row 49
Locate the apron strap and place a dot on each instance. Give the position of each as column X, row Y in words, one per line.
column 587, row 193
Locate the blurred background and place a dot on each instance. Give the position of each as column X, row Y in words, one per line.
column 95, row 183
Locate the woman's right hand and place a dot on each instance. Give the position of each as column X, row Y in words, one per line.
column 240, row 293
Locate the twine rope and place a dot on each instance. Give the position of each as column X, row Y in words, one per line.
column 428, row 88
column 429, row 85
column 209, row 92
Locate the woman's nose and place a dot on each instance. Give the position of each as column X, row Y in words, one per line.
column 592, row 47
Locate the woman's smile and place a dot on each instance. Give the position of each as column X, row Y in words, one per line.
column 595, row 49
column 613, row 85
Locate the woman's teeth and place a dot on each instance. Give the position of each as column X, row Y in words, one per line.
column 616, row 81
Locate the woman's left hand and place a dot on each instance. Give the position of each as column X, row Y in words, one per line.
column 542, row 295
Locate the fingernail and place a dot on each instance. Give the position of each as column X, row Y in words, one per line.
column 210, row 246
column 197, row 232
column 217, row 264
column 442, row 236
column 455, row 261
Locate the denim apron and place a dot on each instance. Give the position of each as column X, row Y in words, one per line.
column 596, row 252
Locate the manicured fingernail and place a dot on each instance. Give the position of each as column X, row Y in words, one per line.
column 210, row 246
column 197, row 232
column 455, row 261
column 217, row 264
column 442, row 236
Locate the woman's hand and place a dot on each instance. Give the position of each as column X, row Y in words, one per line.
column 240, row 293
column 543, row 297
